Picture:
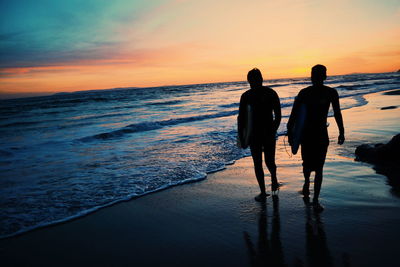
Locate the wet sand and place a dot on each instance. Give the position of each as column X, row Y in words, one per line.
column 216, row 222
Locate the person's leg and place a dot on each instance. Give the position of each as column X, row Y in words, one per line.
column 317, row 188
column 256, row 153
column 317, row 183
column 306, row 185
column 305, row 155
column 269, row 157
column 319, row 177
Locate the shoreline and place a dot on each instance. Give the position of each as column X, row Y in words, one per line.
column 154, row 221
column 133, row 197
column 67, row 216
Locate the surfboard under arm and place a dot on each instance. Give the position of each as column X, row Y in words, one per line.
column 246, row 128
column 296, row 130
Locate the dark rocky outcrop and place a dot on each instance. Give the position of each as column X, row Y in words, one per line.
column 388, row 107
column 385, row 158
column 393, row 92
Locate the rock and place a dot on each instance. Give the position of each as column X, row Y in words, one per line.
column 380, row 152
column 385, row 158
column 388, row 107
column 392, row 92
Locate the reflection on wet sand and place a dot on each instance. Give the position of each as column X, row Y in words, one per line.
column 267, row 252
column 318, row 253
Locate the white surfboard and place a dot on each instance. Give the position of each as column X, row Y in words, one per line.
column 296, row 131
column 247, row 129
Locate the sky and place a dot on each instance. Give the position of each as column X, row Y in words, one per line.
column 49, row 46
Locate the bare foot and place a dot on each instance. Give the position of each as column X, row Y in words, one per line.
column 317, row 206
column 275, row 186
column 306, row 189
column 261, row 197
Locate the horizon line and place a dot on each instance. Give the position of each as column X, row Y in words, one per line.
column 3, row 96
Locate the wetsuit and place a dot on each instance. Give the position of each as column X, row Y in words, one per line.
column 264, row 102
column 315, row 139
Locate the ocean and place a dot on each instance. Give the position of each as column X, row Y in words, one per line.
column 66, row 155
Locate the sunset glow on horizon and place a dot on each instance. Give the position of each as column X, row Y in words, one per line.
column 53, row 46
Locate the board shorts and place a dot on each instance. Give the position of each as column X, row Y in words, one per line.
column 266, row 144
column 314, row 154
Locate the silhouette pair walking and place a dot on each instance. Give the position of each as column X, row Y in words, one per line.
column 259, row 119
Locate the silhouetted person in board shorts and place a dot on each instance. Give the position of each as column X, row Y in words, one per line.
column 261, row 106
column 314, row 142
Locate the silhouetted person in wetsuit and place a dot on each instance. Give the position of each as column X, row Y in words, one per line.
column 265, row 118
column 314, row 142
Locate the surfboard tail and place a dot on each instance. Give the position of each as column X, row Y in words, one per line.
column 244, row 137
column 295, row 149
column 296, row 131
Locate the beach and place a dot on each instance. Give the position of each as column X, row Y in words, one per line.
column 216, row 222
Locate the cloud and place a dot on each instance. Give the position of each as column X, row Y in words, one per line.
column 58, row 62
column 98, row 43
column 46, row 33
column 390, row 53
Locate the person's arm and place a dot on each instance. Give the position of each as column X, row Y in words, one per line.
column 338, row 116
column 277, row 112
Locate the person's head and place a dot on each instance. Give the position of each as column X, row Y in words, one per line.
column 255, row 78
column 318, row 74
